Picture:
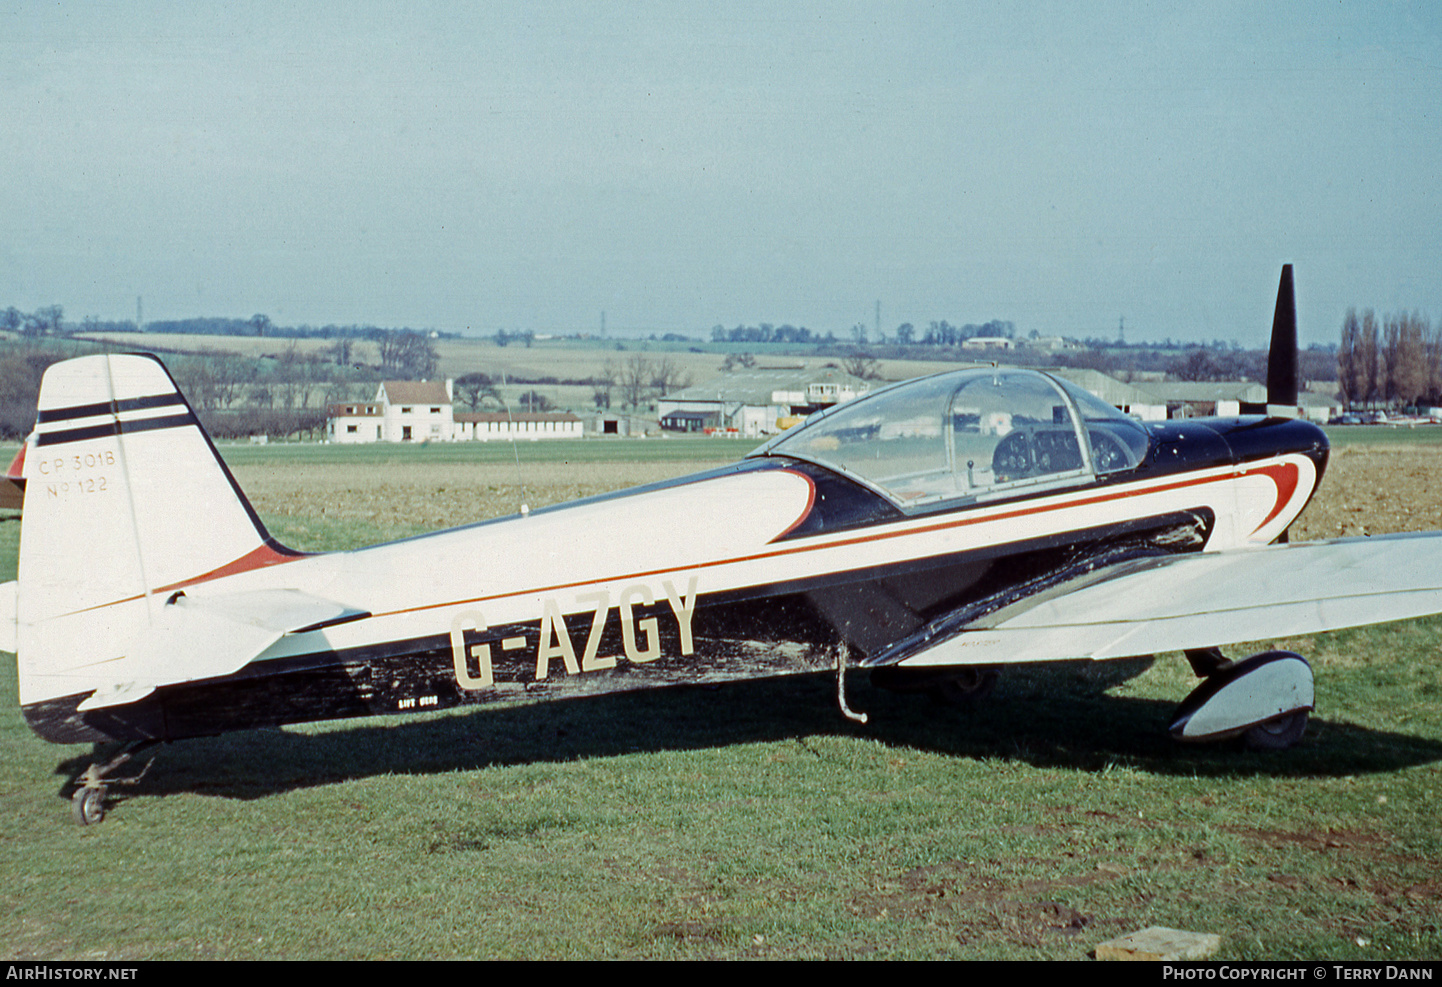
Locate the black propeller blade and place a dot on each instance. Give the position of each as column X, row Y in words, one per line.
column 1282, row 358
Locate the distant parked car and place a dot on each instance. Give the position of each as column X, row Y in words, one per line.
column 1345, row 420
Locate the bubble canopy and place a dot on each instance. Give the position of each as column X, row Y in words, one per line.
column 977, row 434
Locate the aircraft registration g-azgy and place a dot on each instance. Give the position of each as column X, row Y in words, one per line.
column 933, row 532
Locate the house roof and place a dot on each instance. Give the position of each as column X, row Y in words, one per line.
column 355, row 409
column 416, row 392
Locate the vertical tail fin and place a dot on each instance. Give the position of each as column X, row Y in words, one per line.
column 126, row 502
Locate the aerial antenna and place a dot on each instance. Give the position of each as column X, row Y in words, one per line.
column 515, row 449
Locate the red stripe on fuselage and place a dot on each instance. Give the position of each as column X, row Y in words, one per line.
column 1285, row 476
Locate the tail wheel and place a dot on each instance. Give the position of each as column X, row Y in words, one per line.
column 87, row 805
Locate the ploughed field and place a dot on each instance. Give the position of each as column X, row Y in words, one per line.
column 1373, row 490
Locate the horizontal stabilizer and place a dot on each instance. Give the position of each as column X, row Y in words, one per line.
column 203, row 638
column 1182, row 602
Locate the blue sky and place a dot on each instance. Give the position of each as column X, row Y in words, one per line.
column 472, row 166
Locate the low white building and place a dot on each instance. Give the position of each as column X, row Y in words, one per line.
column 753, row 403
column 522, row 426
column 988, row 343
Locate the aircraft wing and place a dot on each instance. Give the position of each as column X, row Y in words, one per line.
column 1181, row 602
column 206, row 637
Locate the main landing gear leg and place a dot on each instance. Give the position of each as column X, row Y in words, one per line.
column 1265, row 699
column 843, row 655
column 87, row 804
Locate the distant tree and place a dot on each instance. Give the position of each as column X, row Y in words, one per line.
column 1406, row 358
column 863, row 365
column 474, row 388
column 407, row 355
column 667, row 376
column 43, row 321
column 535, row 401
column 20, row 375
column 603, row 382
column 341, row 352
column 1209, row 363
column 1369, row 357
column 1349, row 369
column 734, row 360
column 1434, row 364
column 634, row 378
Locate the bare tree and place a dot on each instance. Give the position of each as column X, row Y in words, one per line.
column 1349, row 366
column 603, row 383
column 634, row 378
column 862, row 364
column 1409, row 366
column 668, row 376
column 734, row 360
column 1368, row 355
column 407, row 355
column 476, row 387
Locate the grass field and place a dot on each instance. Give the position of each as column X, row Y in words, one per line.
column 751, row 821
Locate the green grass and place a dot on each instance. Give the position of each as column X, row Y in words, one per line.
column 754, row 822
column 1383, row 435
column 702, row 451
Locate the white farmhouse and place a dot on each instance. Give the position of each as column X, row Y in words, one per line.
column 403, row 411
column 424, row 411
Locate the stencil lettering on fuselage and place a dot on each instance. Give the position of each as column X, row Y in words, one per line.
column 638, row 619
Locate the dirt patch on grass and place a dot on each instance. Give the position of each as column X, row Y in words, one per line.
column 1373, row 490
column 985, row 900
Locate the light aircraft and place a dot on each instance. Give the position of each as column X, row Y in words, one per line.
column 932, row 532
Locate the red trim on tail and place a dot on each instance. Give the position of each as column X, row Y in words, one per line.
column 262, row 557
column 16, row 472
